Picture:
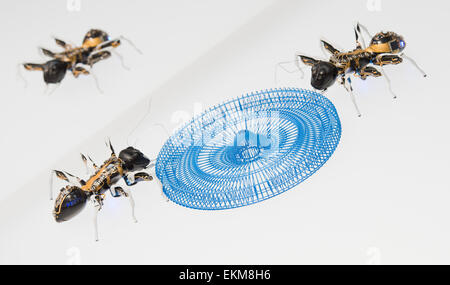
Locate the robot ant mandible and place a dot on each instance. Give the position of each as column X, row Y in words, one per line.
column 72, row 198
column 385, row 48
column 96, row 46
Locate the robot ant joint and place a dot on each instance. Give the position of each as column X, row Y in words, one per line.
column 385, row 48
column 72, row 198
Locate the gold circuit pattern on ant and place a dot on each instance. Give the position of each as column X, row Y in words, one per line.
column 385, row 48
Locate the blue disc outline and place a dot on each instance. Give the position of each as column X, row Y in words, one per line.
column 307, row 116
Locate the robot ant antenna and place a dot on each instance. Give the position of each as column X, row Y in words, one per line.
column 282, row 65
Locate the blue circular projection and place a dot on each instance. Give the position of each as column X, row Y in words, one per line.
column 248, row 149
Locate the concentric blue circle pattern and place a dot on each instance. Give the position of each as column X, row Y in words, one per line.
column 248, row 149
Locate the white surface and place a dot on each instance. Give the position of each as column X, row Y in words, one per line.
column 382, row 197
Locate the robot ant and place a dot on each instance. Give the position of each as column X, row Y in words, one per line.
column 73, row 198
column 94, row 49
column 385, row 48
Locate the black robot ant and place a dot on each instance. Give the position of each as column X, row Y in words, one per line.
column 73, row 198
column 96, row 47
column 385, row 48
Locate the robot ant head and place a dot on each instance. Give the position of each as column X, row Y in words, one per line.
column 133, row 159
column 95, row 37
column 54, row 71
column 323, row 73
column 387, row 42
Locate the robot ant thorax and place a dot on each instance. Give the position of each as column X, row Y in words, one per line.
column 93, row 49
column 73, row 198
column 385, row 48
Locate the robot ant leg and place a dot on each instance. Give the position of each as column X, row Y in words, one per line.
column 388, row 81
column 122, row 62
column 104, row 54
column 97, row 84
column 369, row 71
column 133, row 179
column 116, row 43
column 50, row 88
column 119, row 192
column 97, row 200
column 360, row 27
column 47, row 52
column 387, row 59
column 414, row 63
column 20, row 75
column 347, row 81
column 94, row 166
column 360, row 43
column 62, row 44
column 69, row 178
column 96, row 210
column 77, row 70
column 96, row 57
column 130, row 197
column 372, row 71
column 328, row 47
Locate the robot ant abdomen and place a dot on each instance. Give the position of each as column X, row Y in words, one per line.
column 69, row 203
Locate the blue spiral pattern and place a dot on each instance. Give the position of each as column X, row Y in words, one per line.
column 248, row 149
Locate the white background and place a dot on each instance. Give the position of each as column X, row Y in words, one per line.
column 382, row 197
